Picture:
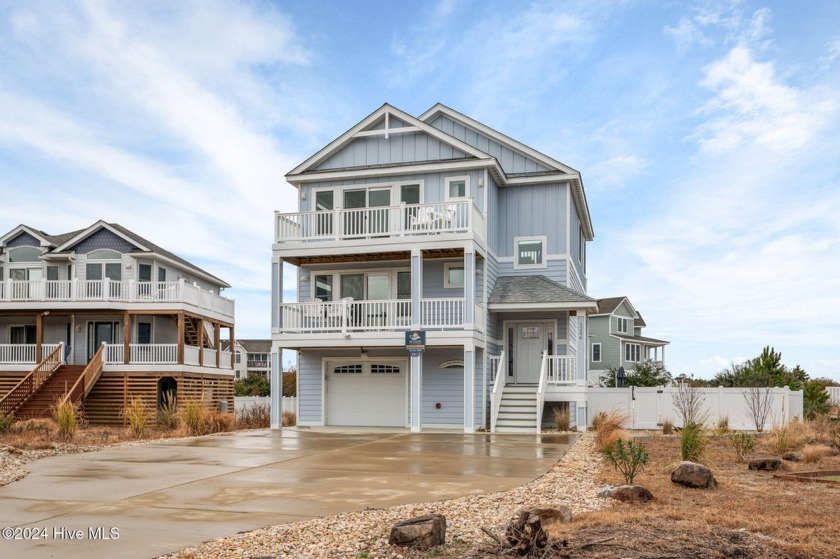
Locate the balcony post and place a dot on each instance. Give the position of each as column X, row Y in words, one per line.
column 8, row 289
column 469, row 388
column 277, row 294
column 416, row 288
column 218, row 333
column 337, row 227
column 39, row 337
column 200, row 342
column 126, row 338
column 469, row 287
column 74, row 289
column 416, row 391
column 181, row 335
column 583, row 346
column 276, row 386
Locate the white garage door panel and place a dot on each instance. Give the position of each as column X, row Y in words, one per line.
column 366, row 394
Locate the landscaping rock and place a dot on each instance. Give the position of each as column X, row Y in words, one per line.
column 793, row 456
column 421, row 531
column 551, row 515
column 693, row 475
column 765, row 464
column 631, row 494
column 605, row 492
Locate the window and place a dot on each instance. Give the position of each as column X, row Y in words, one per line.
column 144, row 332
column 453, row 275
column 457, row 187
column 22, row 334
column 384, row 369
column 25, row 254
column 410, row 193
column 161, row 274
column 403, row 285
column 529, row 252
column 52, row 273
column 144, row 272
column 238, row 357
column 632, row 352
column 349, row 369
column 324, row 287
column 622, row 325
column 596, row 353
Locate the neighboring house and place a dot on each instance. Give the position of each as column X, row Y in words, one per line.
column 615, row 339
column 441, row 224
column 107, row 316
column 251, row 357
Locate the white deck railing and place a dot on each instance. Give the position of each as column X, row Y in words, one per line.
column 13, row 354
column 162, row 354
column 153, row 354
column 541, row 390
column 386, row 315
column 498, row 388
column 456, row 216
column 561, row 370
column 119, row 291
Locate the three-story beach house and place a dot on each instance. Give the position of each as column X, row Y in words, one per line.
column 100, row 316
column 435, row 224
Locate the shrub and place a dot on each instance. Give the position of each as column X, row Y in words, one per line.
column 823, row 427
column 215, row 422
column 692, row 442
column 252, row 385
column 137, row 416
column 722, row 427
column 66, row 414
column 608, row 426
column 289, row 419
column 167, row 415
column 667, row 427
column 792, row 436
column 191, row 416
column 562, row 420
column 628, row 458
column 812, row 453
column 743, row 443
column 6, row 422
column 254, row 417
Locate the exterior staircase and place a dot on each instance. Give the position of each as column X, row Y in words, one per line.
column 57, row 386
column 518, row 410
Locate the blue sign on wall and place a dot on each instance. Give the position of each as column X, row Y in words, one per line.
column 415, row 341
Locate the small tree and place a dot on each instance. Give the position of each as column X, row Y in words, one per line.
column 628, row 458
column 252, row 385
column 646, row 373
column 759, row 401
column 815, row 399
column 689, row 405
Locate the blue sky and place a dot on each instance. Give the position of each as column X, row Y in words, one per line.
column 706, row 134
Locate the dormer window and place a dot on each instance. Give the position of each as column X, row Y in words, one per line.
column 622, row 325
column 529, row 252
column 457, row 187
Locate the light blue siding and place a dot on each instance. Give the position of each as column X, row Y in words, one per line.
column 409, row 147
column 531, row 211
column 511, row 161
column 309, row 386
column 555, row 270
column 443, row 386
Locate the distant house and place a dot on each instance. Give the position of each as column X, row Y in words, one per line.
column 616, row 340
column 441, row 225
column 102, row 315
column 251, row 357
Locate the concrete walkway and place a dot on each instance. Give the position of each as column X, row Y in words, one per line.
column 161, row 497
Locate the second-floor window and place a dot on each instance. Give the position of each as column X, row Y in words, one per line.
column 622, row 325
column 457, row 187
column 529, row 252
column 453, row 275
column 632, row 352
column 596, row 353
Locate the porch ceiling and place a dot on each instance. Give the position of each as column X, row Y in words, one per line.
column 374, row 257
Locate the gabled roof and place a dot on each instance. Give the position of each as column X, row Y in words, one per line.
column 61, row 244
column 639, row 322
column 365, row 126
column 608, row 305
column 519, row 291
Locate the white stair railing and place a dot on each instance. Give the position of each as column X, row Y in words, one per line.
column 541, row 390
column 498, row 391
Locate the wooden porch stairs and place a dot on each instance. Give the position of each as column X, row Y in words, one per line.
column 55, row 388
column 518, row 410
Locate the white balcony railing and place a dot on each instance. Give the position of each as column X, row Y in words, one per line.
column 153, row 354
column 14, row 354
column 561, row 369
column 386, row 315
column 456, row 216
column 117, row 291
column 162, row 354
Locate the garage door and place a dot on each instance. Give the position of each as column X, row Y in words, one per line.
column 366, row 394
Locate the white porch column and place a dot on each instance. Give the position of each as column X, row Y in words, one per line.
column 416, row 392
column 469, row 287
column 583, row 346
column 276, row 294
column 469, row 386
column 276, row 389
column 416, row 287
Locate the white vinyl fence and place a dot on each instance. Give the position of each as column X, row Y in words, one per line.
column 244, row 402
column 834, row 394
column 647, row 408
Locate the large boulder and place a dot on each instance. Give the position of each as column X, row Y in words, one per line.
column 691, row 474
column 422, row 531
column 765, row 464
column 631, row 494
column 552, row 515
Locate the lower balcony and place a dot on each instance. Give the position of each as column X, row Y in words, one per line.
column 371, row 316
column 166, row 354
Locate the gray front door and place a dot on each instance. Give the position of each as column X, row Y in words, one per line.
column 529, row 345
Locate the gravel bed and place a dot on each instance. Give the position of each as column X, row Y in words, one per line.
column 570, row 482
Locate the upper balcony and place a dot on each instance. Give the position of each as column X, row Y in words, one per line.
column 81, row 294
column 374, row 227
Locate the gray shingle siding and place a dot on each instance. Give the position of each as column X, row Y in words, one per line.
column 24, row 239
column 102, row 239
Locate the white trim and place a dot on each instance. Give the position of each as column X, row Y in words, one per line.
column 92, row 229
column 396, row 170
column 446, row 267
column 543, row 239
column 24, row 229
column 448, row 180
column 573, row 306
column 618, row 323
column 405, row 367
column 600, row 352
column 386, row 131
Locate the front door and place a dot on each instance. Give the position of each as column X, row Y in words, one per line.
column 99, row 333
column 528, row 347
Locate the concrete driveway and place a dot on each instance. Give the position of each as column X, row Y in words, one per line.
column 163, row 496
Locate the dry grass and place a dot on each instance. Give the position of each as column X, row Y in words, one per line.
column 667, row 427
column 137, row 416
column 751, row 514
column 813, row 453
column 562, row 421
column 609, row 427
column 792, row 436
column 289, row 419
column 254, row 417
